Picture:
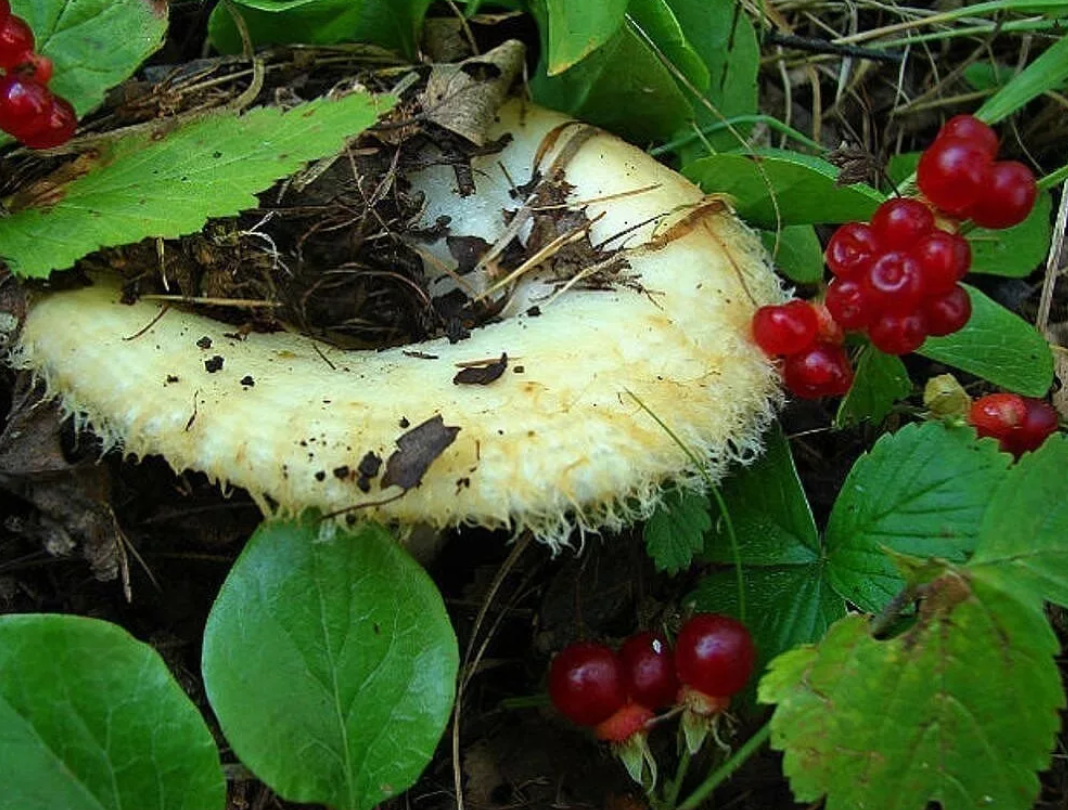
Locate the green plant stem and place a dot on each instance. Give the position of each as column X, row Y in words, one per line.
column 671, row 792
column 771, row 121
column 724, row 771
column 1054, row 178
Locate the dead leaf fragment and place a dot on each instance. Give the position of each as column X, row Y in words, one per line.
column 482, row 375
column 416, row 451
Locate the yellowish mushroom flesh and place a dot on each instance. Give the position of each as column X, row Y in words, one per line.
column 559, row 441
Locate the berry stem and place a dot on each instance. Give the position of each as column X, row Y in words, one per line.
column 672, row 788
column 724, row 771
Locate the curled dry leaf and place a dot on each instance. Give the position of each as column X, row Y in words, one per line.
column 642, row 288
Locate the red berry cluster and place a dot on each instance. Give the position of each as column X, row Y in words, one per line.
column 28, row 109
column 1020, row 424
column 959, row 175
column 810, row 342
column 617, row 693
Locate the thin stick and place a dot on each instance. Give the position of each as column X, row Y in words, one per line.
column 1053, row 261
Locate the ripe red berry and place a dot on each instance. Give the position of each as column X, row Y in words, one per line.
column 36, row 66
column 847, row 303
column 894, row 283
column 714, row 654
column 25, row 105
column 1008, row 197
column 586, row 683
column 970, row 128
column 900, row 222
column 59, row 127
column 995, row 415
column 952, row 173
column 16, row 40
column 944, row 260
column 821, row 371
column 628, row 720
column 785, row 328
column 649, row 670
column 852, row 249
column 5, row 10
column 830, row 331
column 1039, row 422
column 898, row 332
column 948, row 312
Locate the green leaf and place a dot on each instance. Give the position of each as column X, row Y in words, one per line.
column 998, row 346
column 93, row 44
column 799, row 256
column 1015, row 251
column 169, row 184
column 577, row 30
column 881, row 380
column 676, row 530
column 601, row 89
column 330, row 663
column 960, row 710
column 392, row 24
column 922, row 491
column 804, row 187
column 724, row 38
column 1048, row 72
column 987, row 75
column 659, row 23
column 902, row 166
column 1024, row 536
column 788, row 598
column 90, row 719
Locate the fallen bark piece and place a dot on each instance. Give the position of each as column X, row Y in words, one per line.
column 641, row 288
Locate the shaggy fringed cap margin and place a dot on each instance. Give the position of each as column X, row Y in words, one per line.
column 558, row 441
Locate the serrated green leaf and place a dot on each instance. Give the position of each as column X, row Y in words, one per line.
column 997, row 346
column 1048, row 72
column 90, row 719
column 576, row 30
column 676, row 530
column 169, row 184
column 391, row 24
column 726, row 41
column 960, row 710
column 93, row 44
column 804, row 187
column 1016, row 251
column 1024, row 534
column 330, row 662
column 797, row 253
column 601, row 89
column 881, row 380
column 921, row 491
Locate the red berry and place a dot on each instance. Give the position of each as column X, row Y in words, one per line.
column 997, row 415
column 830, row 331
column 898, row 332
column 36, row 66
column 786, row 328
column 944, row 260
column 900, row 222
column 1039, row 422
column 1008, row 197
column 852, row 249
column 586, row 683
column 970, row 128
column 58, row 129
column 5, row 10
column 948, row 312
column 25, row 105
column 627, row 721
column 16, row 40
column 649, row 670
column 714, row 654
column 952, row 173
column 821, row 371
column 848, row 304
column 894, row 283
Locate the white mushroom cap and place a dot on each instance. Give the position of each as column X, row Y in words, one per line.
column 559, row 445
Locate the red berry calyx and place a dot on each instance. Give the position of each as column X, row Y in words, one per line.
column 628, row 720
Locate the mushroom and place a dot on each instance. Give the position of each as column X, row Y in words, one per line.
column 550, row 426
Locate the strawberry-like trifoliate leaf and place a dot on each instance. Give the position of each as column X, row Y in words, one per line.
column 922, row 491
column 1024, row 536
column 169, row 182
column 962, row 709
column 676, row 530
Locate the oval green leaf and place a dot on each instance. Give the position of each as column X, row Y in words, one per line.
column 801, row 189
column 90, row 719
column 997, row 346
column 1016, row 251
column 797, row 253
column 330, row 663
column 578, row 29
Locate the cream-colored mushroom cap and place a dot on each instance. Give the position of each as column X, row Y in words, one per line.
column 557, row 440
